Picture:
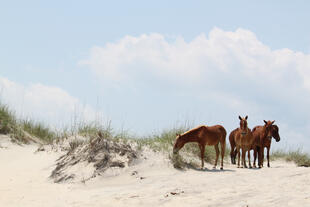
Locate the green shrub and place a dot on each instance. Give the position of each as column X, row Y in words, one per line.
column 7, row 120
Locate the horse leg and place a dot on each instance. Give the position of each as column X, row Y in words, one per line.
column 254, row 155
column 260, row 156
column 216, row 147
column 223, row 154
column 202, row 155
column 238, row 151
column 232, row 154
column 235, row 155
column 243, row 158
column 263, row 156
column 249, row 158
column 268, row 149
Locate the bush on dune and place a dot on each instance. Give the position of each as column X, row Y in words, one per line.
column 302, row 159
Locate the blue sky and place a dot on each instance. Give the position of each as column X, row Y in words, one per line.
column 147, row 66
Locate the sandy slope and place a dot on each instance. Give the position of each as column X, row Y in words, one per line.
column 24, row 182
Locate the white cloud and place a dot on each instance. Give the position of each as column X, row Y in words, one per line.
column 226, row 53
column 231, row 71
column 224, row 61
column 45, row 103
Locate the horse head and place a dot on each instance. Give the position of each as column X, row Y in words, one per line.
column 179, row 143
column 243, row 125
column 275, row 132
column 268, row 127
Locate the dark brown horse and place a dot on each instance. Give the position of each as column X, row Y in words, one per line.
column 204, row 135
column 261, row 135
column 243, row 140
column 266, row 142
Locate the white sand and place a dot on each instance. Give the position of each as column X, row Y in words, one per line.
column 24, row 182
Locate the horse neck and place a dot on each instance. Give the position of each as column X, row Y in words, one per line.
column 189, row 138
column 264, row 132
column 249, row 134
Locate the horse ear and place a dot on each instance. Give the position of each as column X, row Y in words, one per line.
column 272, row 121
column 265, row 122
column 240, row 118
column 246, row 118
column 177, row 134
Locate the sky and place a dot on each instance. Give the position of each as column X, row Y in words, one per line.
column 149, row 66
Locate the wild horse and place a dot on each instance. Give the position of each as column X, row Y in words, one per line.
column 204, row 135
column 242, row 138
column 263, row 136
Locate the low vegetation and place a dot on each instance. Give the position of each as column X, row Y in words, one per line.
column 297, row 156
column 23, row 130
column 28, row 130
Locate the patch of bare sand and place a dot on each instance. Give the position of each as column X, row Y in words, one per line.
column 24, row 181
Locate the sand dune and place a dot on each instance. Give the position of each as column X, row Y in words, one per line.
column 24, row 181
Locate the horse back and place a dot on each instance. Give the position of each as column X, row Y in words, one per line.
column 214, row 134
column 257, row 132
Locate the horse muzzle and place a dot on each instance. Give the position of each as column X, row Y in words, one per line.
column 175, row 151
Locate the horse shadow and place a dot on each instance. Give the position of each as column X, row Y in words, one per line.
column 214, row 170
column 218, row 170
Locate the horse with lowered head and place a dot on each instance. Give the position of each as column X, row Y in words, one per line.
column 204, row 135
column 243, row 140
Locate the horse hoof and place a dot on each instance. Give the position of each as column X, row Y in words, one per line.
column 221, row 168
column 214, row 167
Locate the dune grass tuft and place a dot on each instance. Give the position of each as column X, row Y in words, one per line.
column 38, row 130
column 297, row 156
column 22, row 130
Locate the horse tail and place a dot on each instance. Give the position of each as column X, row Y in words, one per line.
column 223, row 138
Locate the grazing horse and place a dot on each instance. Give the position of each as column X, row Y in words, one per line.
column 261, row 135
column 204, row 135
column 243, row 140
column 265, row 142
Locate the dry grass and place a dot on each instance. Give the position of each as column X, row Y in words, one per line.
column 297, row 156
column 21, row 130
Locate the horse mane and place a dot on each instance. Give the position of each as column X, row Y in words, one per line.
column 190, row 131
column 275, row 126
column 255, row 128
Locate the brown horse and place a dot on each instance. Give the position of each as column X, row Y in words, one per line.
column 243, row 139
column 261, row 134
column 267, row 143
column 264, row 141
column 204, row 135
